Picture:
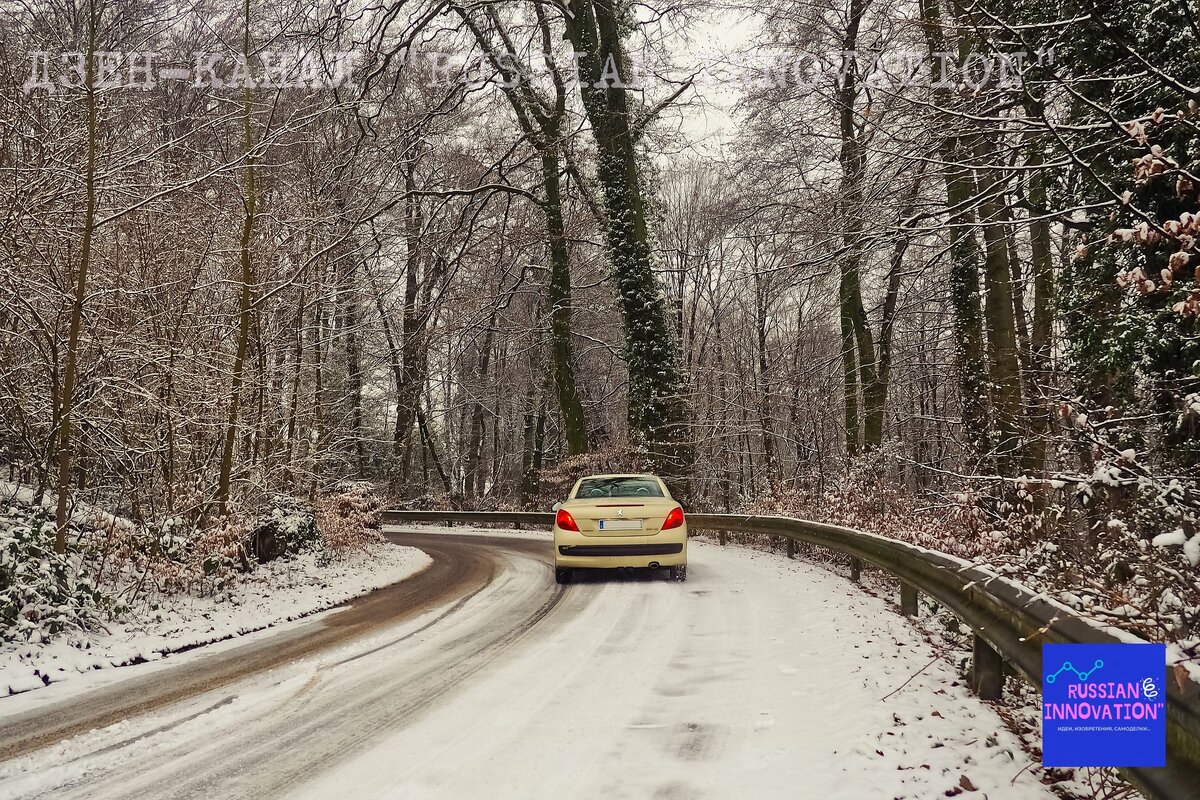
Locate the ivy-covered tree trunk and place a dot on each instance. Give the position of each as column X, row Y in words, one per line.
column 964, row 254
column 658, row 408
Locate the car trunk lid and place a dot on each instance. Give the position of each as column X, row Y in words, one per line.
column 619, row 516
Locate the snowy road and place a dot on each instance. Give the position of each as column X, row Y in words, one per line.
column 758, row 677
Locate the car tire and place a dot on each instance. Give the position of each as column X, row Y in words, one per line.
column 679, row 573
column 562, row 576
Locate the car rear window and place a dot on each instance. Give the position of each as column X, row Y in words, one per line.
column 618, row 487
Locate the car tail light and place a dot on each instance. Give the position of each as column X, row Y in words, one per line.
column 674, row 518
column 565, row 521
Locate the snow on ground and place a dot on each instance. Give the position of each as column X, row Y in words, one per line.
column 25, row 494
column 274, row 593
column 759, row 677
column 755, row 678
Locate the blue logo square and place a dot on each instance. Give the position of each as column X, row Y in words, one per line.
column 1104, row 705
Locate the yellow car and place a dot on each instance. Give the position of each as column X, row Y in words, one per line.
column 612, row 521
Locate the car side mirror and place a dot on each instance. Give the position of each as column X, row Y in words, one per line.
column 556, row 507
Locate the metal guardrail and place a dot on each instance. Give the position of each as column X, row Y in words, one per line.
column 1010, row 623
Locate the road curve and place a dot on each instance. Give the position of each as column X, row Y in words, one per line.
column 458, row 569
column 758, row 677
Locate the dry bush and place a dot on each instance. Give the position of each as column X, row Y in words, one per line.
column 558, row 479
column 173, row 556
column 1112, row 545
column 867, row 498
column 348, row 517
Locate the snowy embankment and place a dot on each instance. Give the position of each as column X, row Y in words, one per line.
column 274, row 593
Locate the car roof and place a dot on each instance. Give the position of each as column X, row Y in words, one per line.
column 621, row 475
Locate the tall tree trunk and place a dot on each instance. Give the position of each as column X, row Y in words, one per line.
column 849, row 375
column 964, row 253
column 534, row 441
column 427, row 440
column 297, row 372
column 320, row 401
column 721, row 404
column 472, row 481
column 245, row 298
column 352, row 348
column 875, row 394
column 770, row 464
column 566, row 389
column 1040, row 333
column 67, row 393
column 528, row 480
column 999, row 316
column 859, row 366
column 542, row 121
column 412, row 329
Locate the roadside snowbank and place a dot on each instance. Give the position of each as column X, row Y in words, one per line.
column 277, row 592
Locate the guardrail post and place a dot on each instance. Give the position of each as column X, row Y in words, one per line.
column 722, row 538
column 791, row 547
column 855, row 569
column 908, row 599
column 987, row 670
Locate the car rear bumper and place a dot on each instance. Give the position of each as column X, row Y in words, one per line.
column 620, row 549
column 666, row 549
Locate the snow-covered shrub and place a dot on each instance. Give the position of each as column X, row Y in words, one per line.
column 42, row 593
column 288, row 526
column 1122, row 542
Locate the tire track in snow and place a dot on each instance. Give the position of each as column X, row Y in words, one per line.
column 353, row 710
column 456, row 570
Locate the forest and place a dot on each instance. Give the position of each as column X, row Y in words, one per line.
column 927, row 268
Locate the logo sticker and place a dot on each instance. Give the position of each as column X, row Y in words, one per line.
column 1104, row 705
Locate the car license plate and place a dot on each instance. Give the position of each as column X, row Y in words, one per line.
column 620, row 524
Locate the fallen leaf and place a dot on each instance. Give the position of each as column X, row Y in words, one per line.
column 965, row 783
column 1181, row 677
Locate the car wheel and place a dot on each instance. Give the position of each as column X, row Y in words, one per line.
column 562, row 576
column 679, row 573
